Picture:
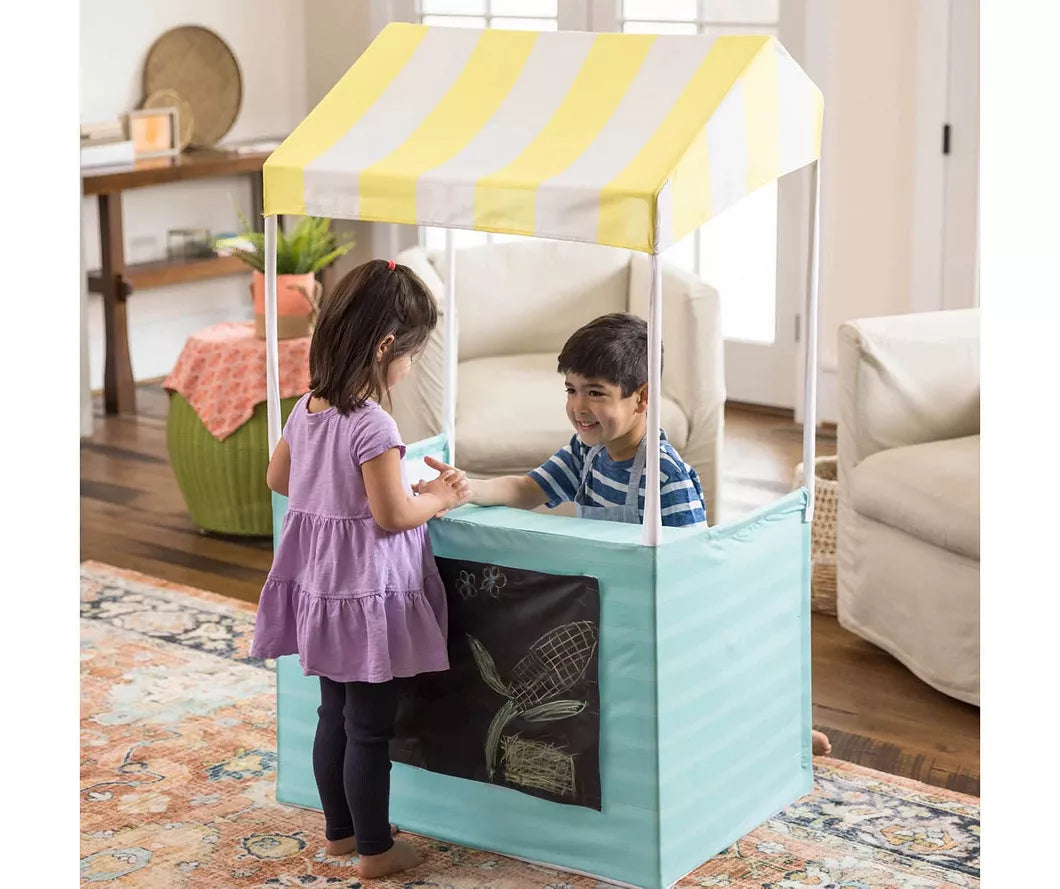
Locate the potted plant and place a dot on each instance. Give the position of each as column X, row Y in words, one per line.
column 300, row 253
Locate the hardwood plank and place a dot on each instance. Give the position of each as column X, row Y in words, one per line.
column 887, row 757
column 112, row 452
column 875, row 711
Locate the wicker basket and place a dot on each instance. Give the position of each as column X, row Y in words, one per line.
column 223, row 482
column 822, row 535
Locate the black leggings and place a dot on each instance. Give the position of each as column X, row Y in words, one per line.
column 351, row 761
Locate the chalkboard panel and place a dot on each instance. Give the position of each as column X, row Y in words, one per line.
column 520, row 704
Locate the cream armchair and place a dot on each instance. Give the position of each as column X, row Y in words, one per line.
column 517, row 303
column 908, row 537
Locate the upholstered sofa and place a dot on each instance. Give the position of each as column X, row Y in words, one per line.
column 517, row 302
column 908, row 536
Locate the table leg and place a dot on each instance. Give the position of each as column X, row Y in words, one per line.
column 257, row 202
column 119, row 387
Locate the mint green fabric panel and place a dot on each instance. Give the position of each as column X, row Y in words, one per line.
column 733, row 633
column 279, row 510
column 618, row 842
column 438, row 446
column 705, row 697
column 297, row 699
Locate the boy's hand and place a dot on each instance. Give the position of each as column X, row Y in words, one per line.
column 518, row 491
column 439, row 466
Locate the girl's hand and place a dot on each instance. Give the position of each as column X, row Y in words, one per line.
column 451, row 487
column 446, row 471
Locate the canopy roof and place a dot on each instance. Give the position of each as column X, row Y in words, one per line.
column 631, row 140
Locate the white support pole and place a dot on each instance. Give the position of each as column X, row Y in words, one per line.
column 809, row 413
column 651, row 534
column 272, row 342
column 450, row 356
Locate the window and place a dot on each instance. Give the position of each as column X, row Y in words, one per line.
column 736, row 254
column 520, row 15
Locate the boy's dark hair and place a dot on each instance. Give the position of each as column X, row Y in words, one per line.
column 612, row 348
column 370, row 303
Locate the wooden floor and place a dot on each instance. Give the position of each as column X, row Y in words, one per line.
column 875, row 711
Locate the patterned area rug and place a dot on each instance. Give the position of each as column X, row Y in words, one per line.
column 178, row 764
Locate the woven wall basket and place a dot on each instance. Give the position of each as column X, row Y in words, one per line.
column 823, row 533
column 199, row 66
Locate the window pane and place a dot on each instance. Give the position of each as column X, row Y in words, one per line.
column 659, row 27
column 453, row 7
column 466, row 238
column 454, row 21
column 656, row 10
column 716, row 30
column 545, row 8
column 523, row 24
column 764, row 11
column 738, row 256
column 683, row 254
column 508, row 239
column 434, row 238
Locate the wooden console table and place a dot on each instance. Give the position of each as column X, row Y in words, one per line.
column 116, row 281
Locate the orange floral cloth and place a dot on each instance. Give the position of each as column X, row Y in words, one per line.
column 221, row 372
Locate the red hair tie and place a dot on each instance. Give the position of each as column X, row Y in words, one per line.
column 390, row 264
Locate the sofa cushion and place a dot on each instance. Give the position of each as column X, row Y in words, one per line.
column 529, row 296
column 511, row 414
column 930, row 491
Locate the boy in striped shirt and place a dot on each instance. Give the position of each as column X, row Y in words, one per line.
column 605, row 364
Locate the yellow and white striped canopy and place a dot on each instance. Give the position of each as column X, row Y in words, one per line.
column 631, row 140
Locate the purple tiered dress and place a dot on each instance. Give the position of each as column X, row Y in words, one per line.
column 354, row 602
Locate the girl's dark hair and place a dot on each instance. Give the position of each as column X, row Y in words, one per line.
column 370, row 303
column 613, row 348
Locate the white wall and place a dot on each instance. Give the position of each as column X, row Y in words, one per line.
column 269, row 42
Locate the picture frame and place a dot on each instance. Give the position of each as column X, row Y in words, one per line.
column 155, row 132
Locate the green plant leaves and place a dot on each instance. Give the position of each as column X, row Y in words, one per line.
column 309, row 247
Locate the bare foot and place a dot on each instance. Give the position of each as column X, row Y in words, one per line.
column 348, row 845
column 340, row 848
column 401, row 856
column 821, row 745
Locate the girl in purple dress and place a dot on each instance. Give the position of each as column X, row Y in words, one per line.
column 354, row 590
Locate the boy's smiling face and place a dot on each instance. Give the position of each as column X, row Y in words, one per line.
column 601, row 415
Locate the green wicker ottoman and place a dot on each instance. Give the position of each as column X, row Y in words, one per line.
column 223, row 482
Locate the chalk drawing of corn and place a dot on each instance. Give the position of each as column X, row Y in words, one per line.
column 553, row 665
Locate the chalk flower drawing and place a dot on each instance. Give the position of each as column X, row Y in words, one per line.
column 465, row 585
column 493, row 580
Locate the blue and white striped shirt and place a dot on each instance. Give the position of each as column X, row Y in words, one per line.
column 682, row 494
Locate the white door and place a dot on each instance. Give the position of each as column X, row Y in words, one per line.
column 944, row 251
column 754, row 252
